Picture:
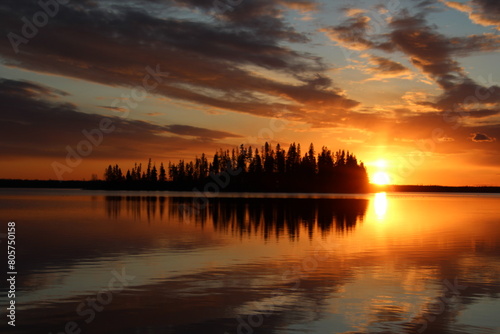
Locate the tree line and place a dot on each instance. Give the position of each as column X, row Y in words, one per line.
column 249, row 169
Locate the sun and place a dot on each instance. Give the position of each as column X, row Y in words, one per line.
column 381, row 178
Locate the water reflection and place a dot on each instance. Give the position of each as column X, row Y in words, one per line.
column 380, row 203
column 210, row 270
column 252, row 216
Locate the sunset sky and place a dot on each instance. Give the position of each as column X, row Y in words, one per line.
column 411, row 87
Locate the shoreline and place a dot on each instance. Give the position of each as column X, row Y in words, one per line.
column 99, row 185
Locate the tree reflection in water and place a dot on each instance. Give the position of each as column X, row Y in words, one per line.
column 267, row 217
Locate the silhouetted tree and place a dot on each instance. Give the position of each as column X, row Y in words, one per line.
column 325, row 162
column 163, row 175
column 241, row 160
column 113, row 174
column 280, row 160
column 153, row 177
column 266, row 170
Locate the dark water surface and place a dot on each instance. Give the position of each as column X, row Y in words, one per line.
column 156, row 262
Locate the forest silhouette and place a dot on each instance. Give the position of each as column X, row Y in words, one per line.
column 246, row 169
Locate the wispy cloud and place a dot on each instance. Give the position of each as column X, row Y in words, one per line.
column 481, row 137
column 384, row 68
column 483, row 12
column 34, row 126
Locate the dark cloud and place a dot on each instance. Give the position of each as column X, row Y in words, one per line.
column 187, row 130
column 426, row 4
column 386, row 68
column 488, row 12
column 266, row 16
column 411, row 34
column 481, row 137
column 34, row 126
column 483, row 113
column 467, row 92
column 387, row 65
column 483, row 12
column 250, row 12
column 119, row 109
column 352, row 33
column 153, row 114
column 29, row 89
column 433, row 52
column 208, row 62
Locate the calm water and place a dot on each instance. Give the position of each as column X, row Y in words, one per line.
column 149, row 262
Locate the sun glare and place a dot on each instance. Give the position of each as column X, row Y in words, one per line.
column 381, row 178
column 380, row 203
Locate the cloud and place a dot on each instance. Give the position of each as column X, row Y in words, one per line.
column 430, row 51
column 387, row 65
column 187, row 130
column 29, row 89
column 354, row 11
column 483, row 12
column 458, row 6
column 207, row 61
column 247, row 11
column 435, row 55
column 352, row 33
column 119, row 109
column 261, row 15
column 466, row 93
column 33, row 125
column 386, row 68
column 486, row 12
column 481, row 138
column 153, row 114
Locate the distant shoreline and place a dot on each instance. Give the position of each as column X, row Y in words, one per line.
column 101, row 185
column 437, row 189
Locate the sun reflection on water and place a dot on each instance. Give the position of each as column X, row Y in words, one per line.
column 380, row 204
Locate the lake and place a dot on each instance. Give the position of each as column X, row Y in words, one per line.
column 161, row 262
